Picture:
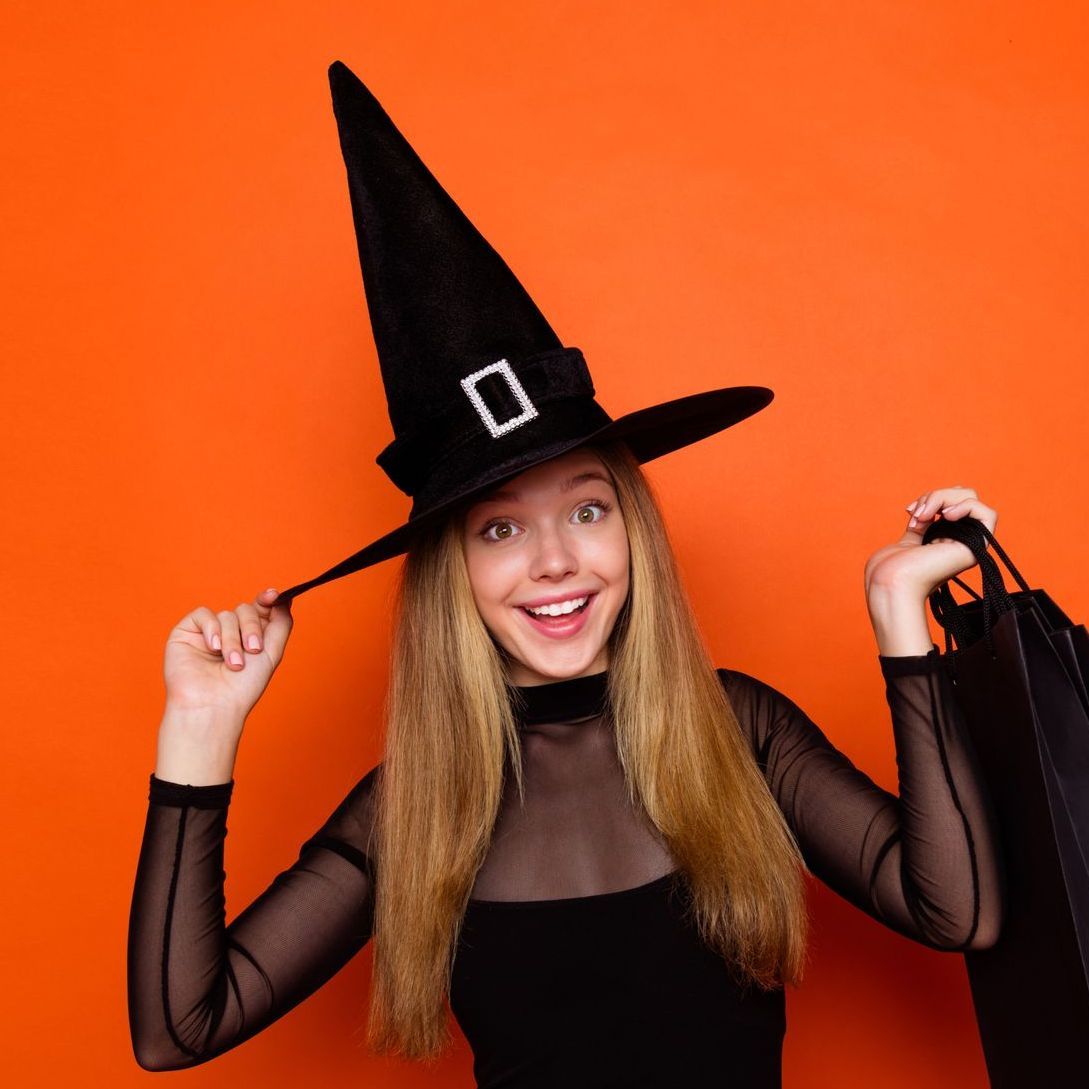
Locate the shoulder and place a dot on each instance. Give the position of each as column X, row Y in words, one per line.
column 354, row 814
column 746, row 688
column 361, row 797
column 760, row 707
column 368, row 783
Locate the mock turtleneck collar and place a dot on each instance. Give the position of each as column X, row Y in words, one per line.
column 561, row 701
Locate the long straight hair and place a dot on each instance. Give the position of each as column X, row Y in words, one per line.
column 451, row 733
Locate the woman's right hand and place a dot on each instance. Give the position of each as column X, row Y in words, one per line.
column 220, row 663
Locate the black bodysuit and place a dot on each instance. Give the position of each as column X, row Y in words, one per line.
column 575, row 967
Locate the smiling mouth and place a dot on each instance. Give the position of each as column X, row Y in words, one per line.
column 545, row 617
column 566, row 626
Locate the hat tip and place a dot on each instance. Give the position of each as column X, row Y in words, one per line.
column 345, row 84
column 339, row 72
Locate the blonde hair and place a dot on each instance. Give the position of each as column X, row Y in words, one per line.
column 451, row 732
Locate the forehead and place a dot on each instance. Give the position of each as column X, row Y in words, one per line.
column 560, row 474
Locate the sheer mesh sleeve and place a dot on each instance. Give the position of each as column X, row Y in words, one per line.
column 925, row 863
column 198, row 987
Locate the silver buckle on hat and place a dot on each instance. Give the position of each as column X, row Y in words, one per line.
column 529, row 410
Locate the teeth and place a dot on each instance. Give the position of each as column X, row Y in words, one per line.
column 560, row 608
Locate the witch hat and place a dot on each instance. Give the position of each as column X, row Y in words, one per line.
column 478, row 386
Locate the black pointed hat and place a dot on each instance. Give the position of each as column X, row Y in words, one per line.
column 478, row 385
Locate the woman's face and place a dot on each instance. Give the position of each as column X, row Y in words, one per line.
column 554, row 533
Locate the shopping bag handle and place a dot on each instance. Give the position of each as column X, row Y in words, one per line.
column 996, row 599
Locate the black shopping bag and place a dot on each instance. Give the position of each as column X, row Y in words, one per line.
column 1020, row 671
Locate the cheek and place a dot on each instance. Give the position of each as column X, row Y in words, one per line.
column 494, row 577
column 612, row 555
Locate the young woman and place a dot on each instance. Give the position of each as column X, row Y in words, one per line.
column 582, row 833
column 583, row 836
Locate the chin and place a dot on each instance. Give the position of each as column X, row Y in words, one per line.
column 557, row 664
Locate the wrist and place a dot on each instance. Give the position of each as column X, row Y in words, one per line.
column 898, row 616
column 198, row 747
column 201, row 720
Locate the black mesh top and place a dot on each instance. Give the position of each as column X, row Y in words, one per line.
column 574, row 966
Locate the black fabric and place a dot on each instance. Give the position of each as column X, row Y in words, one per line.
column 467, row 466
column 442, row 301
column 569, row 700
column 557, row 376
column 575, row 965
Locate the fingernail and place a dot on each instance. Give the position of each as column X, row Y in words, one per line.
column 912, row 521
column 217, row 643
column 253, row 643
column 235, row 658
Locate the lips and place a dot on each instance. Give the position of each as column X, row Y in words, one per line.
column 557, row 599
column 560, row 627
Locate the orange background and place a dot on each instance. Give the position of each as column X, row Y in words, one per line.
column 878, row 210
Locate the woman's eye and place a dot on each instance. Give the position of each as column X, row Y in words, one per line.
column 500, row 525
column 589, row 506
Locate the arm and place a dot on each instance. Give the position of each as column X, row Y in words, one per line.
column 924, row 862
column 198, row 987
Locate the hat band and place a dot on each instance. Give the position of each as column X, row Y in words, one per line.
column 570, row 422
column 530, row 384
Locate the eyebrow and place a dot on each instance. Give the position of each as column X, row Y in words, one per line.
column 568, row 485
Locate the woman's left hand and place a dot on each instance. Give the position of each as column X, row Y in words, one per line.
column 907, row 566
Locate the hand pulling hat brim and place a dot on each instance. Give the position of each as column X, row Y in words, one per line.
column 478, row 385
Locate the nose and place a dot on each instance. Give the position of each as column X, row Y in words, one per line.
column 554, row 557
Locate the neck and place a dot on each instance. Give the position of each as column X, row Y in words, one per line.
column 561, row 701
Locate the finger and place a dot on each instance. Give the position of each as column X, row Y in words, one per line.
column 913, row 507
column 934, row 500
column 249, row 626
column 264, row 603
column 204, row 621
column 972, row 508
column 268, row 603
column 914, row 511
column 962, row 507
column 269, row 610
column 232, row 640
column 277, row 631
column 931, row 502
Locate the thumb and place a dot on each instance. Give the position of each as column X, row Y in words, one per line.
column 278, row 629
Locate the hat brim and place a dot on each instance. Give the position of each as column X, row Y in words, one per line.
column 649, row 432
